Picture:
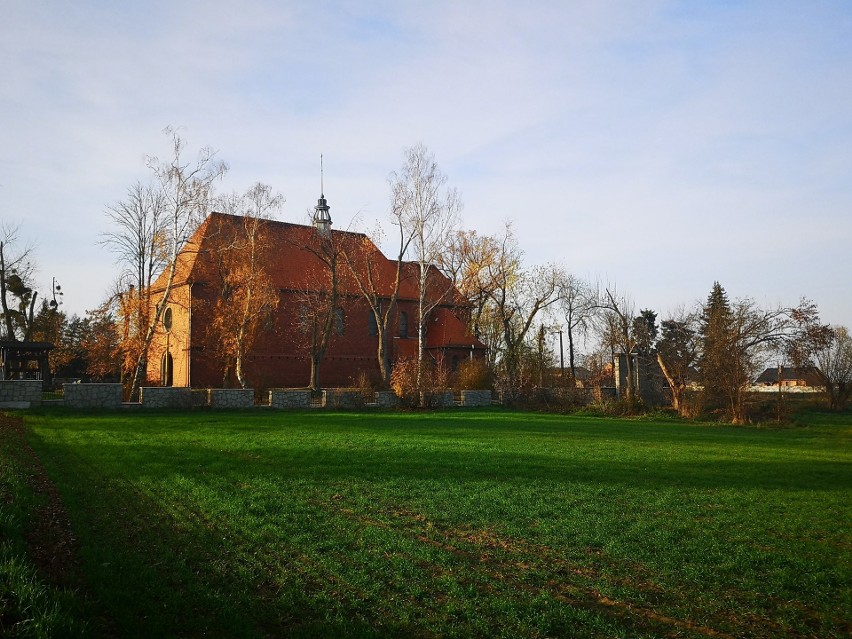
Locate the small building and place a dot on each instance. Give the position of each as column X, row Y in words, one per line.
column 25, row 360
column 789, row 376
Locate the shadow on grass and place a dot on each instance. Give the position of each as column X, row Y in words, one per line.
column 649, row 470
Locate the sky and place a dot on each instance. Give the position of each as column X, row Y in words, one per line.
column 657, row 146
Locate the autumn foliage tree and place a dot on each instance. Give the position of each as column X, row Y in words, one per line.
column 245, row 295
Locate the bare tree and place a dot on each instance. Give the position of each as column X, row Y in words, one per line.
column 578, row 308
column 618, row 314
column 322, row 314
column 140, row 243
column 183, row 192
column 826, row 349
column 429, row 214
column 834, row 364
column 378, row 286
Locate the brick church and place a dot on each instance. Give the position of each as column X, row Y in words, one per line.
column 182, row 353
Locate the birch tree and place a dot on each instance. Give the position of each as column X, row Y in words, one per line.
column 182, row 190
column 428, row 213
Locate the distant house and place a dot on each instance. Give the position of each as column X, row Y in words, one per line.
column 181, row 354
column 790, row 376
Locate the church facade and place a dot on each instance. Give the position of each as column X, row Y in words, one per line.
column 184, row 352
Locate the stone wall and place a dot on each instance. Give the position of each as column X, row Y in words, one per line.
column 439, row 399
column 472, row 398
column 290, row 398
column 342, row 398
column 20, row 393
column 386, row 399
column 165, row 397
column 231, row 397
column 92, row 395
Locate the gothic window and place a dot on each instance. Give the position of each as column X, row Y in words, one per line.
column 166, row 368
column 339, row 321
column 403, row 324
column 372, row 327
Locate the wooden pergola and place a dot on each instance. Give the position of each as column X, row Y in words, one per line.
column 25, row 360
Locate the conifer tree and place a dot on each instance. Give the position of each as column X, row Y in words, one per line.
column 717, row 366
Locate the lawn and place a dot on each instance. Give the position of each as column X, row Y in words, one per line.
column 460, row 523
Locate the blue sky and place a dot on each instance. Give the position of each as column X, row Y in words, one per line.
column 658, row 145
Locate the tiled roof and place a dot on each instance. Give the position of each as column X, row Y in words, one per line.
column 789, row 373
column 292, row 265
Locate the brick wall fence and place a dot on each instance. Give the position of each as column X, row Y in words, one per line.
column 20, row 393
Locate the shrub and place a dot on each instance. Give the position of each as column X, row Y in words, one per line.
column 473, row 374
column 367, row 383
column 404, row 380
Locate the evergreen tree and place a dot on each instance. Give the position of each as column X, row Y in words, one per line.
column 645, row 330
column 717, row 358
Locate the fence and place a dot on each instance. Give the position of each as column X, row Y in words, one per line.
column 109, row 396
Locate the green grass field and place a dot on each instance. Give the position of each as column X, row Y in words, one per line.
column 491, row 523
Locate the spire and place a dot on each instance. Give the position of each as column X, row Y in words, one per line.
column 322, row 219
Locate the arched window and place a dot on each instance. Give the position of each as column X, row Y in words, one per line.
column 166, row 368
column 372, row 327
column 454, row 363
column 167, row 320
column 339, row 321
column 403, row 324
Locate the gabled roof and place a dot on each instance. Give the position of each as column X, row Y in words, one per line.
column 449, row 332
column 789, row 373
column 292, row 264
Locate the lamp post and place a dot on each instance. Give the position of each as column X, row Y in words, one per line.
column 55, row 289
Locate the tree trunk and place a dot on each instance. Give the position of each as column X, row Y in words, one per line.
column 676, row 386
column 315, row 371
column 571, row 354
column 383, row 358
column 10, row 331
